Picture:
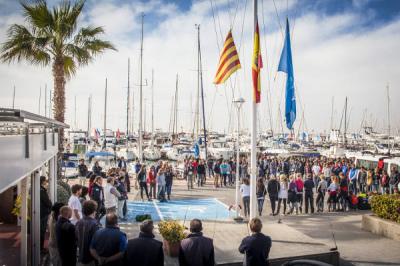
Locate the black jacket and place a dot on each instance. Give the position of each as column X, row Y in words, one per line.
column 273, row 187
column 256, row 247
column 66, row 241
column 144, row 251
column 83, row 170
column 308, row 185
column 45, row 203
column 196, row 250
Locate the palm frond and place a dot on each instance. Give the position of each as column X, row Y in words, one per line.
column 21, row 44
column 69, row 66
column 38, row 15
column 86, row 33
column 67, row 17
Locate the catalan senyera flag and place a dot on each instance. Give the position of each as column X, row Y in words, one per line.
column 256, row 65
column 229, row 61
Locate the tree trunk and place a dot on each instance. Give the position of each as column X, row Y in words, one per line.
column 59, row 106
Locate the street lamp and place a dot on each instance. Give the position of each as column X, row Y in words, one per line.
column 238, row 103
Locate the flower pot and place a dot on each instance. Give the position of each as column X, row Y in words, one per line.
column 171, row 249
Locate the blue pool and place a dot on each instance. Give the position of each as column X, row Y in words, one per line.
column 184, row 209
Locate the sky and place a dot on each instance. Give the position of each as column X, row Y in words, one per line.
column 340, row 49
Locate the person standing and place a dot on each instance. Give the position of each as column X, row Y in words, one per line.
column 210, row 164
column 321, row 190
column 217, row 174
column 83, row 171
column 161, row 184
column 45, row 209
column 144, row 250
column 292, row 195
column 245, row 190
column 300, row 188
column 108, row 244
column 394, row 179
column 75, row 204
column 257, row 246
column 201, row 173
column 225, row 169
column 283, row 193
column 66, row 240
column 53, row 248
column 122, row 163
column 343, row 192
column 273, row 190
column 362, row 180
column 98, row 196
column 316, row 170
column 120, row 186
column 332, row 191
column 261, row 191
column 84, row 231
column 169, row 177
column 309, row 194
column 111, row 196
column 141, row 177
column 151, row 180
column 353, row 174
column 96, row 169
column 196, row 249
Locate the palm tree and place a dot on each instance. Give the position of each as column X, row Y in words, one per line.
column 51, row 37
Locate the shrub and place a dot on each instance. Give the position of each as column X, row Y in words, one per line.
column 387, row 207
column 172, row 231
column 62, row 194
column 142, row 217
column 65, row 186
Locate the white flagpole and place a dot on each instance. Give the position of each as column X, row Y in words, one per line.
column 253, row 165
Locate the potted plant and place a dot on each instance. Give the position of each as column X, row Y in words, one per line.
column 172, row 233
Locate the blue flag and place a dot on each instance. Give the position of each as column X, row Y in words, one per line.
column 286, row 65
column 196, row 150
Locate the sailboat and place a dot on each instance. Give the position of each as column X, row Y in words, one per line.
column 128, row 152
column 152, row 153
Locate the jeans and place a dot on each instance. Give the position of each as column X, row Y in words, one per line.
column 210, row 171
column 231, row 179
column 320, row 201
column 391, row 188
column 309, row 201
column 353, row 186
column 224, row 176
column 260, row 202
column 152, row 192
column 168, row 188
column 143, row 186
column 246, row 205
column 161, row 192
column 300, row 200
column 200, row 179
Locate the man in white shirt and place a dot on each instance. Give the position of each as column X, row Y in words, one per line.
column 316, row 170
column 111, row 196
column 75, row 204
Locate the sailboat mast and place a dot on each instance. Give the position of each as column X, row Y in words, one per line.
column 45, row 100
column 388, row 114
column 75, row 113
column 176, row 107
column 105, row 111
column 141, row 96
column 202, row 96
column 127, row 102
column 197, row 116
column 345, row 124
column 333, row 100
column 152, row 107
column 89, row 117
column 13, row 101
column 40, row 98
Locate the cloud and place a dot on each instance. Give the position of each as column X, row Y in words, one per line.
column 333, row 56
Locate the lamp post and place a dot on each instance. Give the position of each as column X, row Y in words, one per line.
column 238, row 103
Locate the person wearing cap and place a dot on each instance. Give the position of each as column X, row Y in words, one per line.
column 196, row 249
column 256, row 247
column 144, row 250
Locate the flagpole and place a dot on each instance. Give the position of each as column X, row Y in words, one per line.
column 253, row 166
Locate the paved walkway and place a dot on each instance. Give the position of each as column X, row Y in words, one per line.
column 300, row 234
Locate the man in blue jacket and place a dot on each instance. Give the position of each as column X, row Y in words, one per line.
column 257, row 246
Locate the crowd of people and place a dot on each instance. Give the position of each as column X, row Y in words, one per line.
column 76, row 234
column 77, row 238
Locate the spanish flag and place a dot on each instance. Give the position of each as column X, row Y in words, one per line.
column 229, row 61
column 256, row 65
